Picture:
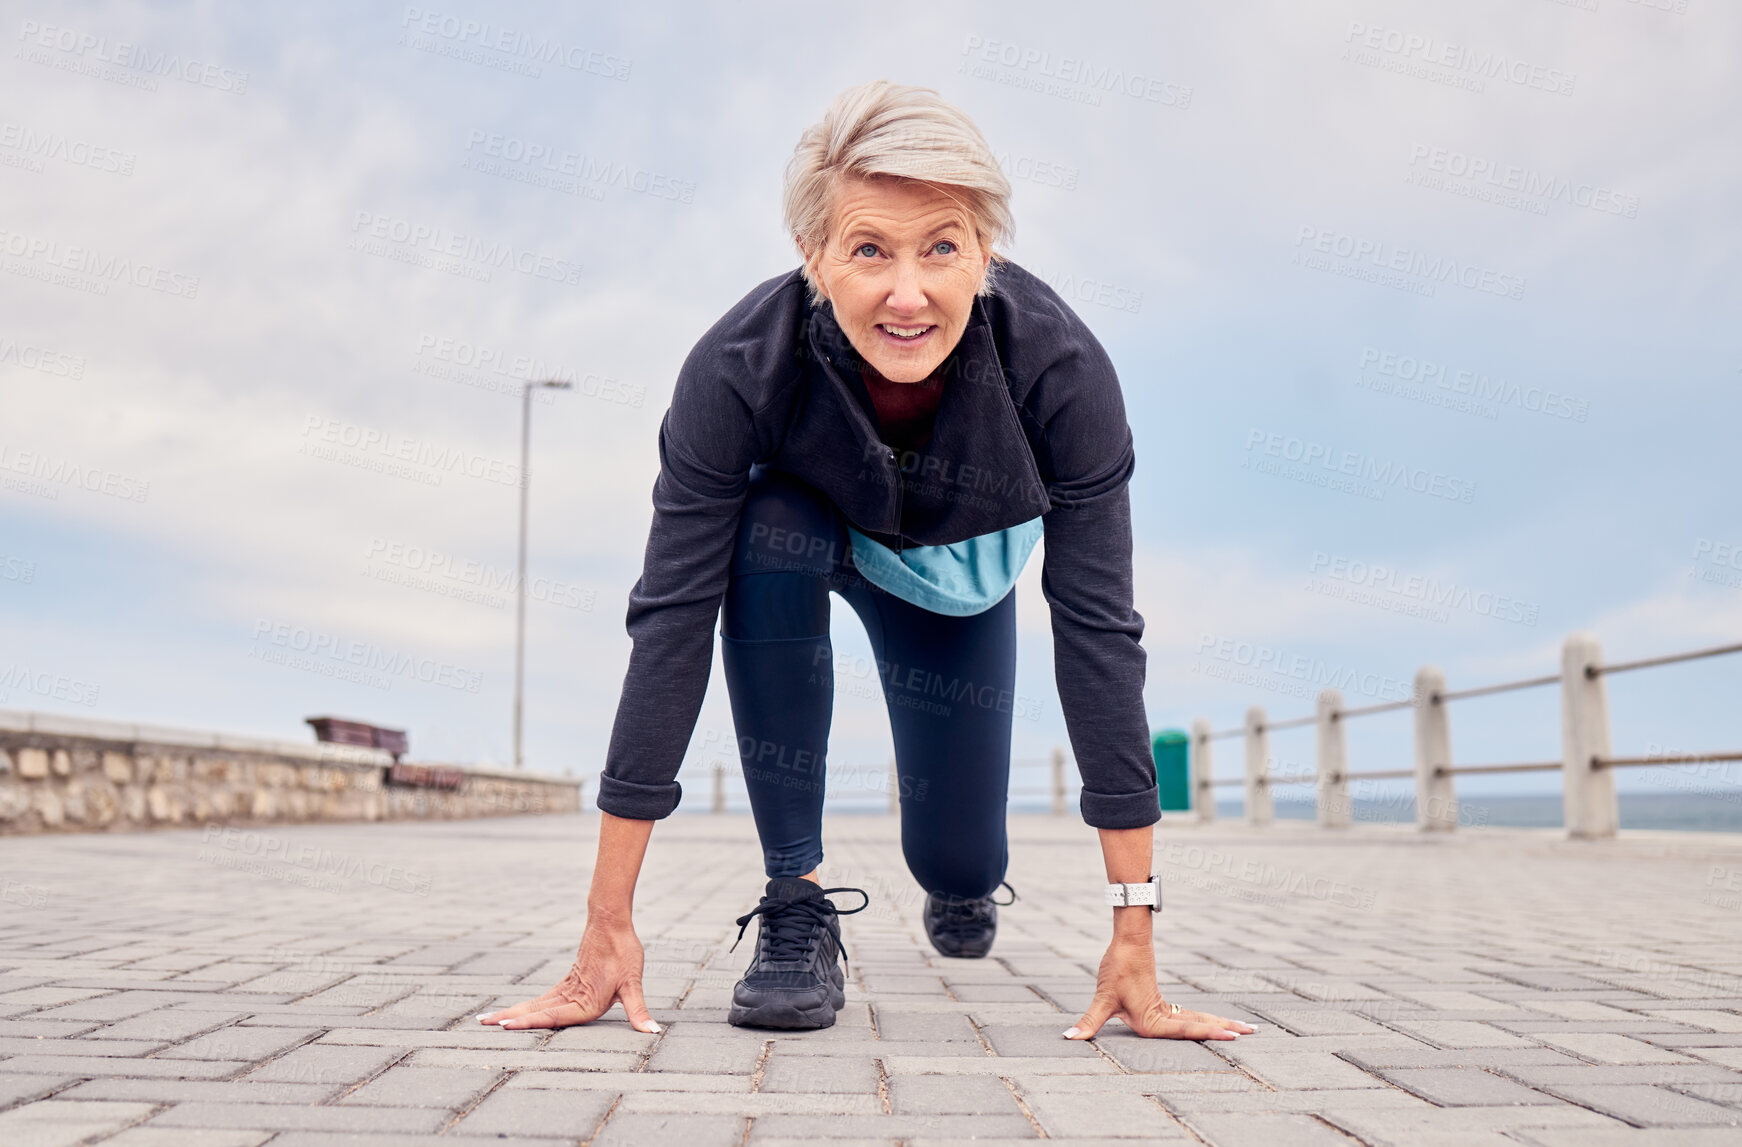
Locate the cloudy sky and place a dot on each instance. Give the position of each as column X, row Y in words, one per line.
column 1425, row 315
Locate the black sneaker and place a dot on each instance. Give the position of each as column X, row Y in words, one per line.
column 795, row 981
column 963, row 927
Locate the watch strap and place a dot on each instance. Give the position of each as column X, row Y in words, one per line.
column 1144, row 895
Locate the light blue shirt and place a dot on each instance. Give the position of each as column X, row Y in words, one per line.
column 958, row 580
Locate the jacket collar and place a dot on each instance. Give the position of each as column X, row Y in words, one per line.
column 978, row 474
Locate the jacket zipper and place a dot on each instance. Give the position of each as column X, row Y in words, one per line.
column 898, row 502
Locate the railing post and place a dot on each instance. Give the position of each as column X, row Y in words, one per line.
column 1333, row 762
column 1203, row 793
column 1259, row 809
column 1058, row 781
column 1436, row 807
column 719, row 788
column 1592, row 810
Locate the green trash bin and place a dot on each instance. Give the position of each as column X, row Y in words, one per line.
column 1172, row 770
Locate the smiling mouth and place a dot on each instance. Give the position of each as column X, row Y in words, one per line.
column 907, row 334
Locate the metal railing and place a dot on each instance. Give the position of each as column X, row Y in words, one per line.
column 1586, row 764
column 859, row 785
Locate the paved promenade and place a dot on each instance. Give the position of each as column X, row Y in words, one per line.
column 315, row 986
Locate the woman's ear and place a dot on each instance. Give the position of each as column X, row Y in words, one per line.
column 809, row 256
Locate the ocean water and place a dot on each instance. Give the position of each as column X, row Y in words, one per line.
column 1688, row 812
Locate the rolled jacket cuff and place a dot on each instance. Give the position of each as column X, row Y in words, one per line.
column 633, row 801
column 1120, row 810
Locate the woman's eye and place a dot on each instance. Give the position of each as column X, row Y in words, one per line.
column 866, row 249
column 945, row 247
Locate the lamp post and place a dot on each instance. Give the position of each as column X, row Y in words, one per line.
column 520, row 581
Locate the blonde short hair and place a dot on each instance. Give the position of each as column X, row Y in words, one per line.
column 901, row 132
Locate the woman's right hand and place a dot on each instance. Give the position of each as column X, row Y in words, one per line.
column 607, row 970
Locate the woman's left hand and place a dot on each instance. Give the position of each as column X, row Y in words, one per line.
column 1126, row 987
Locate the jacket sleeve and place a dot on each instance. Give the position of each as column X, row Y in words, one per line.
column 1087, row 582
column 707, row 442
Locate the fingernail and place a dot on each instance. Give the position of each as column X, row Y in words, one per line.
column 503, row 1023
column 481, row 1016
column 1073, row 1033
column 652, row 1028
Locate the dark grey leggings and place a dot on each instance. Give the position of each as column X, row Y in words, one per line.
column 949, row 683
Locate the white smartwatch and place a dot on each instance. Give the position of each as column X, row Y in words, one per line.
column 1145, row 895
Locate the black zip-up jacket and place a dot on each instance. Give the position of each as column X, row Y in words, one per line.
column 1031, row 423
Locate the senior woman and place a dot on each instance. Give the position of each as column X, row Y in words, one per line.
column 898, row 421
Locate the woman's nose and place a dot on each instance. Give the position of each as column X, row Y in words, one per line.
column 906, row 296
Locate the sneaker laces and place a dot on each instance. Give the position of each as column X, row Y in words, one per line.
column 789, row 925
column 960, row 914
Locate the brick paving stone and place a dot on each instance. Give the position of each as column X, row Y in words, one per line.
column 444, row 1087
column 286, row 1117
column 1613, row 1049
column 1103, row 1117
column 1134, row 1053
column 631, row 1129
column 1567, row 962
column 1290, row 1072
column 17, row 1088
column 1627, row 1137
column 170, row 1024
column 1038, row 1040
column 888, row 1128
column 206, row 1090
column 794, row 1071
column 893, row 1024
column 950, row 1095
column 186, row 1137
column 246, row 1044
column 325, row 1063
column 1654, row 1073
column 1647, row 1106
column 1464, row 1087
column 1221, row 1130
column 627, row 1081
column 535, row 1113
column 1462, row 1033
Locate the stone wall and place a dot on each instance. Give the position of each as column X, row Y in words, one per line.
column 65, row 774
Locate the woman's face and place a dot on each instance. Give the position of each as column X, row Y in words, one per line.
column 901, row 267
